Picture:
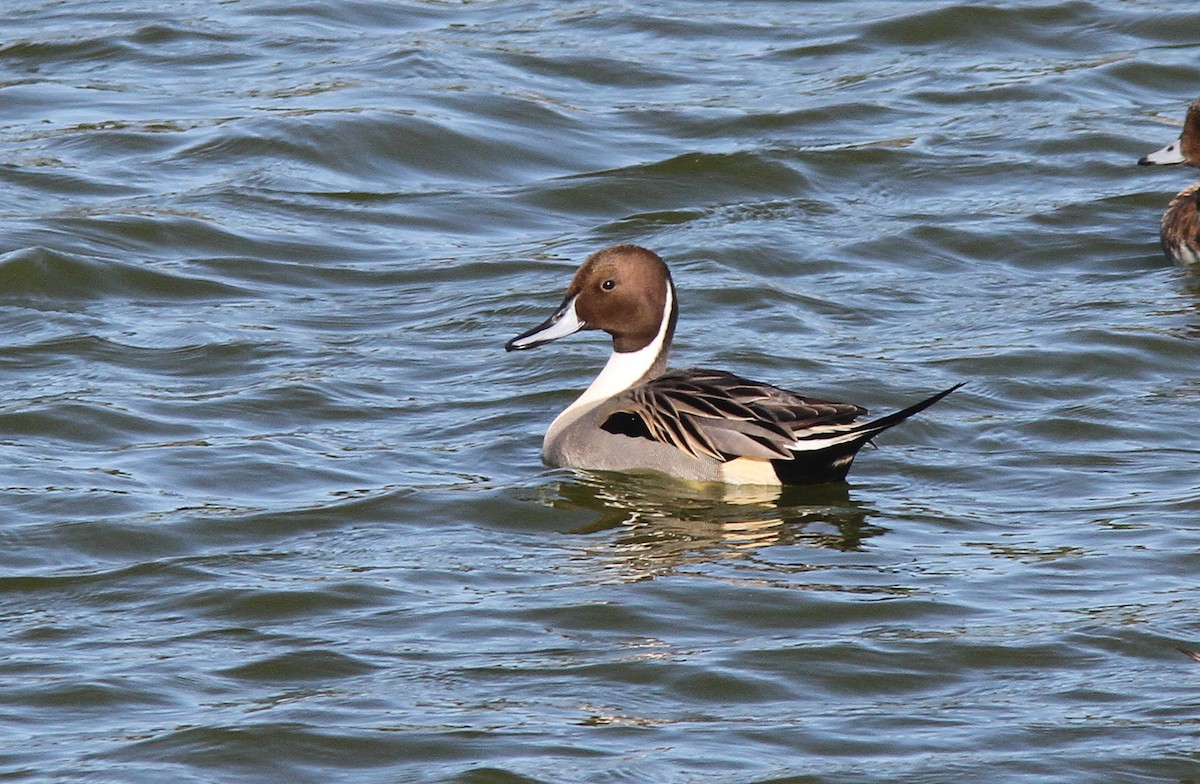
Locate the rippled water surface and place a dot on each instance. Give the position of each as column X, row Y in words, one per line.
column 273, row 506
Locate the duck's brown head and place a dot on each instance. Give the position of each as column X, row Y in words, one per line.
column 624, row 290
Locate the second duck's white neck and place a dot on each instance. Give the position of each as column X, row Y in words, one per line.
column 623, row 369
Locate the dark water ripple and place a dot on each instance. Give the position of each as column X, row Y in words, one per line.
column 273, row 508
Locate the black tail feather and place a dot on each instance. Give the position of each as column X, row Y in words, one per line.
column 831, row 464
column 877, row 426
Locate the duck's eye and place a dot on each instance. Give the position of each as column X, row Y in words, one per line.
column 608, row 285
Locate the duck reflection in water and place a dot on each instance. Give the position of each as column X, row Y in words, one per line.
column 662, row 525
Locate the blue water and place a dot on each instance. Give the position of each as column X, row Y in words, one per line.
column 273, row 505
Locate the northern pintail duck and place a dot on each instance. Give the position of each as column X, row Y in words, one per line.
column 1180, row 226
column 696, row 424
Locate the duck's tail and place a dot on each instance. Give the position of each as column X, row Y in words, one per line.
column 824, row 454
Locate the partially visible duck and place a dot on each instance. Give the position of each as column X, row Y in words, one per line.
column 1180, row 227
column 695, row 424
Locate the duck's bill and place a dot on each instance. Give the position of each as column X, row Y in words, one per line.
column 565, row 321
column 1172, row 153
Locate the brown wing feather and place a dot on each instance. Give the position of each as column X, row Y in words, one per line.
column 1180, row 226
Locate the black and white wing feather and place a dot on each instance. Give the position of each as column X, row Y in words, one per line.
column 723, row 416
column 711, row 413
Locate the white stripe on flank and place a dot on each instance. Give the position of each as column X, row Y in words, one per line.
column 814, row 443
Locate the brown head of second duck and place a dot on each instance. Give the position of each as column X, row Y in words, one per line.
column 1180, row 226
column 695, row 424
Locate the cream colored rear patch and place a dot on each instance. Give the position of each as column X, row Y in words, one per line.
column 749, row 471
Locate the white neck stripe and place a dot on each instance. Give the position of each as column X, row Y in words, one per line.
column 623, row 369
